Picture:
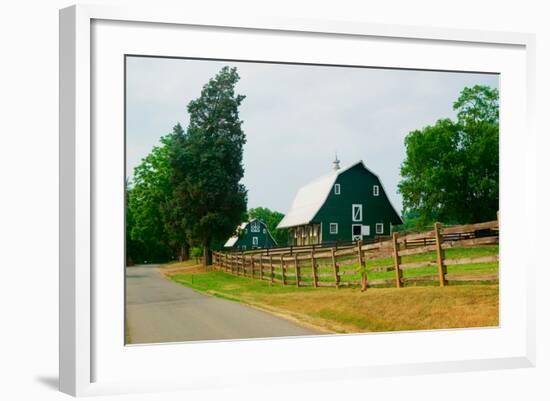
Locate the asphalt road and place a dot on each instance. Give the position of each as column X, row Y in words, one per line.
column 159, row 310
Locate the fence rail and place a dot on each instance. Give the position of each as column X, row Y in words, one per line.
column 301, row 248
column 349, row 264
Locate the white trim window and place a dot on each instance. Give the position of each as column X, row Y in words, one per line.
column 366, row 230
column 334, row 228
column 336, row 189
column 255, row 241
column 375, row 190
column 255, row 227
column 379, row 228
column 357, row 212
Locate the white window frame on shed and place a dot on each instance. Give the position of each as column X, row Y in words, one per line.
column 375, row 190
column 359, row 215
column 255, row 241
column 336, row 189
column 381, row 225
column 331, row 226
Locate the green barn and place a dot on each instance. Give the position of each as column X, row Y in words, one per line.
column 348, row 204
column 252, row 234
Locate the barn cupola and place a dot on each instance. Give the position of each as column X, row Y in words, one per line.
column 336, row 164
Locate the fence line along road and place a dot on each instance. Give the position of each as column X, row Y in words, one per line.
column 348, row 264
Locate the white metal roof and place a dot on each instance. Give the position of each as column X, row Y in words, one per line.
column 311, row 198
column 308, row 201
column 232, row 240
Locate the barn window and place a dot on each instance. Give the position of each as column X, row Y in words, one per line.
column 336, row 189
column 375, row 190
column 334, row 228
column 357, row 212
column 379, row 228
column 255, row 241
column 255, row 227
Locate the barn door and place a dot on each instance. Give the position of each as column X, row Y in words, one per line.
column 356, row 232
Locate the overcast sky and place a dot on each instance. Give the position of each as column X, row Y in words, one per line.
column 297, row 117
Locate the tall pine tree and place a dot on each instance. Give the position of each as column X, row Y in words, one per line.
column 207, row 164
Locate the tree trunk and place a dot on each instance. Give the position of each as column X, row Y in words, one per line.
column 207, row 255
column 184, row 252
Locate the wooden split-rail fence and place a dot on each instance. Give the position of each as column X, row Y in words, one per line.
column 350, row 265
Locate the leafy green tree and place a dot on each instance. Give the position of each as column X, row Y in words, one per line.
column 133, row 248
column 154, row 224
column 207, row 164
column 271, row 218
column 173, row 215
column 450, row 172
column 412, row 222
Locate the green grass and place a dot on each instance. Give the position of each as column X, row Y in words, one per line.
column 348, row 310
column 453, row 253
column 229, row 286
column 177, row 264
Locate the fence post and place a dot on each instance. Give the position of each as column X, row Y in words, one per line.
column 261, row 267
column 314, row 268
column 243, row 264
column 283, row 270
column 362, row 266
column 297, row 270
column 335, row 267
column 272, row 273
column 397, row 262
column 252, row 265
column 440, row 256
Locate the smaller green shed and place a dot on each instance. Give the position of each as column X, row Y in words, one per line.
column 252, row 234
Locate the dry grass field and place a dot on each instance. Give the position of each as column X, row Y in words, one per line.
column 348, row 310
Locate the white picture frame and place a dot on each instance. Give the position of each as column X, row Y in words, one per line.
column 91, row 362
